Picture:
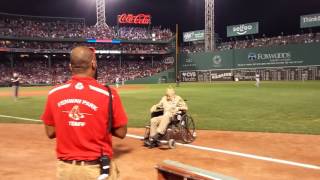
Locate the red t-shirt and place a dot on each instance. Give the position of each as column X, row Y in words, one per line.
column 79, row 112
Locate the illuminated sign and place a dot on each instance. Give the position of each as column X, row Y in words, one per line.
column 311, row 20
column 193, row 36
column 103, row 41
column 243, row 29
column 142, row 19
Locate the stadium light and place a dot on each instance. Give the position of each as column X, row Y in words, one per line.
column 153, row 36
column 101, row 13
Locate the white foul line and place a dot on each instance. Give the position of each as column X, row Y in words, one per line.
column 20, row 118
column 309, row 166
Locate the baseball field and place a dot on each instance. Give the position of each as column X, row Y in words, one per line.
column 272, row 132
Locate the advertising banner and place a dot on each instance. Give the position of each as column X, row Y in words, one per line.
column 206, row 61
column 278, row 56
column 193, row 36
column 221, row 75
column 139, row 19
column 189, row 76
column 311, row 20
column 290, row 55
column 243, row 29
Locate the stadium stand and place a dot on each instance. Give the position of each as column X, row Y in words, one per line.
column 38, row 48
column 65, row 47
column 45, row 27
column 257, row 42
column 12, row 25
column 43, row 71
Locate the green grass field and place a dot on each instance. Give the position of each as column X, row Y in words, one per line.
column 291, row 107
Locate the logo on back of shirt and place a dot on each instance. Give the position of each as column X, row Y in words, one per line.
column 79, row 86
column 76, row 115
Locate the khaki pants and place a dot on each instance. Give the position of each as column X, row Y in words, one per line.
column 159, row 125
column 66, row 171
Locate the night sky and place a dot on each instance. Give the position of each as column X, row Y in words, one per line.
column 275, row 16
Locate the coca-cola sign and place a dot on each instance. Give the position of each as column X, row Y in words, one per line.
column 142, row 19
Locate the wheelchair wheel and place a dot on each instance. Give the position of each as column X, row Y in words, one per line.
column 147, row 132
column 172, row 143
column 187, row 129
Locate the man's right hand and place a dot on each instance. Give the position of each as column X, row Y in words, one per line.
column 153, row 108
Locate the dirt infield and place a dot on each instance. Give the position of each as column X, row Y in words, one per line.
column 23, row 93
column 26, row 153
column 30, row 93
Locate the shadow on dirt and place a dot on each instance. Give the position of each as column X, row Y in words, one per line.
column 120, row 150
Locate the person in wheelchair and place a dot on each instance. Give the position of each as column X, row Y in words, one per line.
column 171, row 104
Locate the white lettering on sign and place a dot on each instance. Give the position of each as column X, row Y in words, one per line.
column 242, row 29
column 218, row 76
column 311, row 19
column 274, row 56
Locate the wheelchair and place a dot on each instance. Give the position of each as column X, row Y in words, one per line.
column 180, row 129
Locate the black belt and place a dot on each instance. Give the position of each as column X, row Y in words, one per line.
column 82, row 162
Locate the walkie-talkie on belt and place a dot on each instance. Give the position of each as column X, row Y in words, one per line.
column 104, row 167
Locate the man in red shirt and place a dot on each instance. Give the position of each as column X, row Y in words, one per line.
column 77, row 115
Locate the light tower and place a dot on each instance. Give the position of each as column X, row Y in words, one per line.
column 101, row 13
column 209, row 26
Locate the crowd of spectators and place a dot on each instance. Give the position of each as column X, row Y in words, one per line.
column 29, row 26
column 129, row 70
column 257, row 42
column 271, row 41
column 38, row 71
column 49, row 27
column 145, row 49
column 5, row 72
column 37, row 45
column 67, row 46
column 100, row 33
column 193, row 48
column 32, row 71
column 139, row 33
